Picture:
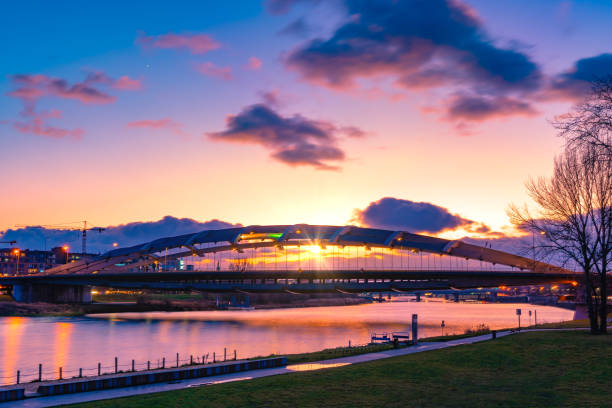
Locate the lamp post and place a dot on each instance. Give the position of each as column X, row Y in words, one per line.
column 17, row 253
column 66, row 248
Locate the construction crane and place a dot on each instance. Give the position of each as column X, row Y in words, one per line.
column 68, row 227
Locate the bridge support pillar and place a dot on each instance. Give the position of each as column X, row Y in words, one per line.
column 29, row 293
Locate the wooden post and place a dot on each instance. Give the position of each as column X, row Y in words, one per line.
column 224, row 353
column 60, row 373
column 214, row 357
column 99, row 369
column 234, row 354
column 164, row 362
column 39, row 372
column 191, row 360
column 133, row 366
column 116, row 365
column 148, row 364
column 18, row 375
column 80, row 373
column 177, row 360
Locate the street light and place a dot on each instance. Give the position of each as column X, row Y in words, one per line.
column 115, row 245
column 66, row 248
column 17, row 252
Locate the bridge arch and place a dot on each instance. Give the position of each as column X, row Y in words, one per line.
column 348, row 244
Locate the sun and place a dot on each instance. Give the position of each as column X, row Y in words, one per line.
column 314, row 249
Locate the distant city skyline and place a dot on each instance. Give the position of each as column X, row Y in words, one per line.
column 289, row 111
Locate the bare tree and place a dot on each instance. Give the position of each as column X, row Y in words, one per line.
column 573, row 218
column 590, row 122
column 240, row 265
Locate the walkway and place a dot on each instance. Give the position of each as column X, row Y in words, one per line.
column 198, row 382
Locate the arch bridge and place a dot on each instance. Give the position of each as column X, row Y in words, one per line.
column 297, row 258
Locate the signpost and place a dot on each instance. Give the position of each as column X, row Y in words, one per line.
column 518, row 313
column 530, row 317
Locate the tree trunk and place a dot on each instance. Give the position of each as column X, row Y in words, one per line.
column 603, row 305
column 593, row 311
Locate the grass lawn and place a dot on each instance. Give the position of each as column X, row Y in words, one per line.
column 539, row 369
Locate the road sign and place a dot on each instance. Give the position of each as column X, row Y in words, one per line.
column 518, row 312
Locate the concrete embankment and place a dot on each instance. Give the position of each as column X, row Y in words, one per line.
column 105, row 382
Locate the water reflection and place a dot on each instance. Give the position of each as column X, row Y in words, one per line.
column 84, row 341
column 61, row 352
column 314, row 366
column 12, row 333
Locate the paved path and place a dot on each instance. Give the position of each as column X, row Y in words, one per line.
column 247, row 375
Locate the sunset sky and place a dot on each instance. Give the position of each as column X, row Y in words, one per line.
column 287, row 112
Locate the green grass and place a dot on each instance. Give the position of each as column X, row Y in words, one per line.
column 538, row 369
column 332, row 353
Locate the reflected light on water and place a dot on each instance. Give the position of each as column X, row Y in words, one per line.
column 77, row 342
column 61, row 352
column 13, row 332
column 314, row 366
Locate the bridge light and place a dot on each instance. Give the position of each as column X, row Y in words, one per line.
column 314, row 249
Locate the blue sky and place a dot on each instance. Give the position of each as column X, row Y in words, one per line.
column 465, row 142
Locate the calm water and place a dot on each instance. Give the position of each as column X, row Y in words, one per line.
column 84, row 341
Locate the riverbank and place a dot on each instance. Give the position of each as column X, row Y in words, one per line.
column 148, row 302
column 535, row 369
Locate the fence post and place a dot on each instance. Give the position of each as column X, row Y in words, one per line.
column 133, row 366
column 18, row 375
column 148, row 364
column 177, row 360
column 116, row 365
column 164, row 362
column 234, row 354
column 60, row 373
column 99, row 369
column 39, row 372
column 214, row 357
column 80, row 373
column 191, row 360
column 224, row 353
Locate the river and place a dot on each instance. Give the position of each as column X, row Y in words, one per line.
column 83, row 342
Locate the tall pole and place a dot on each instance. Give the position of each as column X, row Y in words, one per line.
column 17, row 263
column 533, row 248
column 84, row 247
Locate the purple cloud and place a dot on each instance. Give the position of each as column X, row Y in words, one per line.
column 479, row 108
column 575, row 83
column 133, row 233
column 194, row 43
column 397, row 214
column 423, row 44
column 30, row 88
column 33, row 87
column 293, row 140
column 210, row 69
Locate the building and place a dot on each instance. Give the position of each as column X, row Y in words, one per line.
column 14, row 261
